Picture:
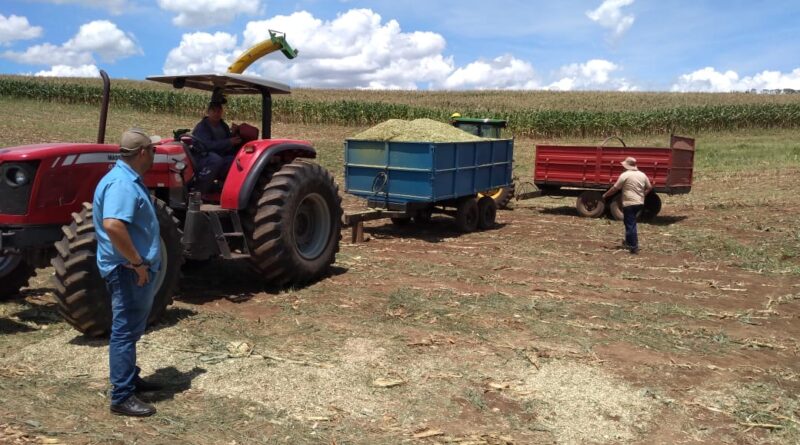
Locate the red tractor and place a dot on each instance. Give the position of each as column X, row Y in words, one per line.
column 275, row 208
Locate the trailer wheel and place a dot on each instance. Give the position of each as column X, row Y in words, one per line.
column 81, row 293
column 615, row 209
column 400, row 220
column 14, row 275
column 423, row 216
column 296, row 228
column 590, row 204
column 467, row 215
column 652, row 206
column 487, row 213
column 501, row 196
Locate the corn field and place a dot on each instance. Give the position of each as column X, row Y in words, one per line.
column 529, row 113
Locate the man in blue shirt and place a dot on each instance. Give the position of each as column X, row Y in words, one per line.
column 215, row 146
column 128, row 256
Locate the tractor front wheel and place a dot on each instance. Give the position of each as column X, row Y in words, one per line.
column 296, row 227
column 14, row 274
column 81, row 293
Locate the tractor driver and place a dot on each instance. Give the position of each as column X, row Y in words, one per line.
column 215, row 146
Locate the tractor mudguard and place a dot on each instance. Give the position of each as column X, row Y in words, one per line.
column 249, row 165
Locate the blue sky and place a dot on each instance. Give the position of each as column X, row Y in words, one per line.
column 645, row 45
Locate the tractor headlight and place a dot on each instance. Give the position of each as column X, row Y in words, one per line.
column 16, row 176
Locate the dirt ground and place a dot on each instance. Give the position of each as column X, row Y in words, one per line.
column 539, row 331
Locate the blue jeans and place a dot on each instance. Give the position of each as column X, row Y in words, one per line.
column 211, row 167
column 130, row 307
column 631, row 236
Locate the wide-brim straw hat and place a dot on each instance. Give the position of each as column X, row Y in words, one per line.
column 629, row 163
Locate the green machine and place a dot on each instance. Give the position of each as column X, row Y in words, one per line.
column 486, row 128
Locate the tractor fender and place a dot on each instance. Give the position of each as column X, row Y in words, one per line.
column 246, row 171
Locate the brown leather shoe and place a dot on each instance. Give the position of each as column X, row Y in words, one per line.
column 132, row 406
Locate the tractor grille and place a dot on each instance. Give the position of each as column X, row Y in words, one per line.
column 15, row 195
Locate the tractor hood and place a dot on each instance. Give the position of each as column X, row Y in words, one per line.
column 44, row 151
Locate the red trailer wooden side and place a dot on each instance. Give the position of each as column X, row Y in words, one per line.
column 586, row 171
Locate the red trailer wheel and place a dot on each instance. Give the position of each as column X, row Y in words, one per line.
column 590, row 204
column 615, row 209
column 652, row 206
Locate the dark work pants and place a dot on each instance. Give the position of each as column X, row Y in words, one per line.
column 211, row 167
column 130, row 307
column 631, row 236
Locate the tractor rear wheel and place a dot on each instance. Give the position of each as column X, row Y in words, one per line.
column 296, row 227
column 81, row 293
column 501, row 196
column 14, row 274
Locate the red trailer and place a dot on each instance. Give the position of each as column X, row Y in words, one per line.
column 587, row 172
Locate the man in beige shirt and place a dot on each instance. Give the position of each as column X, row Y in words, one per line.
column 635, row 185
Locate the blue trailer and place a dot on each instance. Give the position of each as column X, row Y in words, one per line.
column 413, row 180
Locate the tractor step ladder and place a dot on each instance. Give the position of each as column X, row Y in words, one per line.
column 215, row 217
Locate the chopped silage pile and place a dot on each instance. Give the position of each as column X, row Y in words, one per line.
column 418, row 130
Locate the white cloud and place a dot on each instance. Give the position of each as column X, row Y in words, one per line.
column 48, row 54
column 203, row 13
column 100, row 37
column 595, row 74
column 709, row 79
column 105, row 39
column 113, row 6
column 354, row 50
column 609, row 15
column 15, row 27
column 504, row 72
column 201, row 52
column 358, row 49
column 70, row 71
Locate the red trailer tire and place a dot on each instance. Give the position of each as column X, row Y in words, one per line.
column 652, row 207
column 615, row 209
column 590, row 204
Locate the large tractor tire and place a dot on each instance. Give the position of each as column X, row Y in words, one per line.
column 501, row 196
column 14, row 275
column 83, row 299
column 296, row 226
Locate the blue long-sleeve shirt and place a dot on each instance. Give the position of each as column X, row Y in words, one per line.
column 209, row 140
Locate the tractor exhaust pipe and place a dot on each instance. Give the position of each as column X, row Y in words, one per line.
column 101, row 131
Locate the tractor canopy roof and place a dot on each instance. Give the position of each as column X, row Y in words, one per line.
column 471, row 120
column 230, row 83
